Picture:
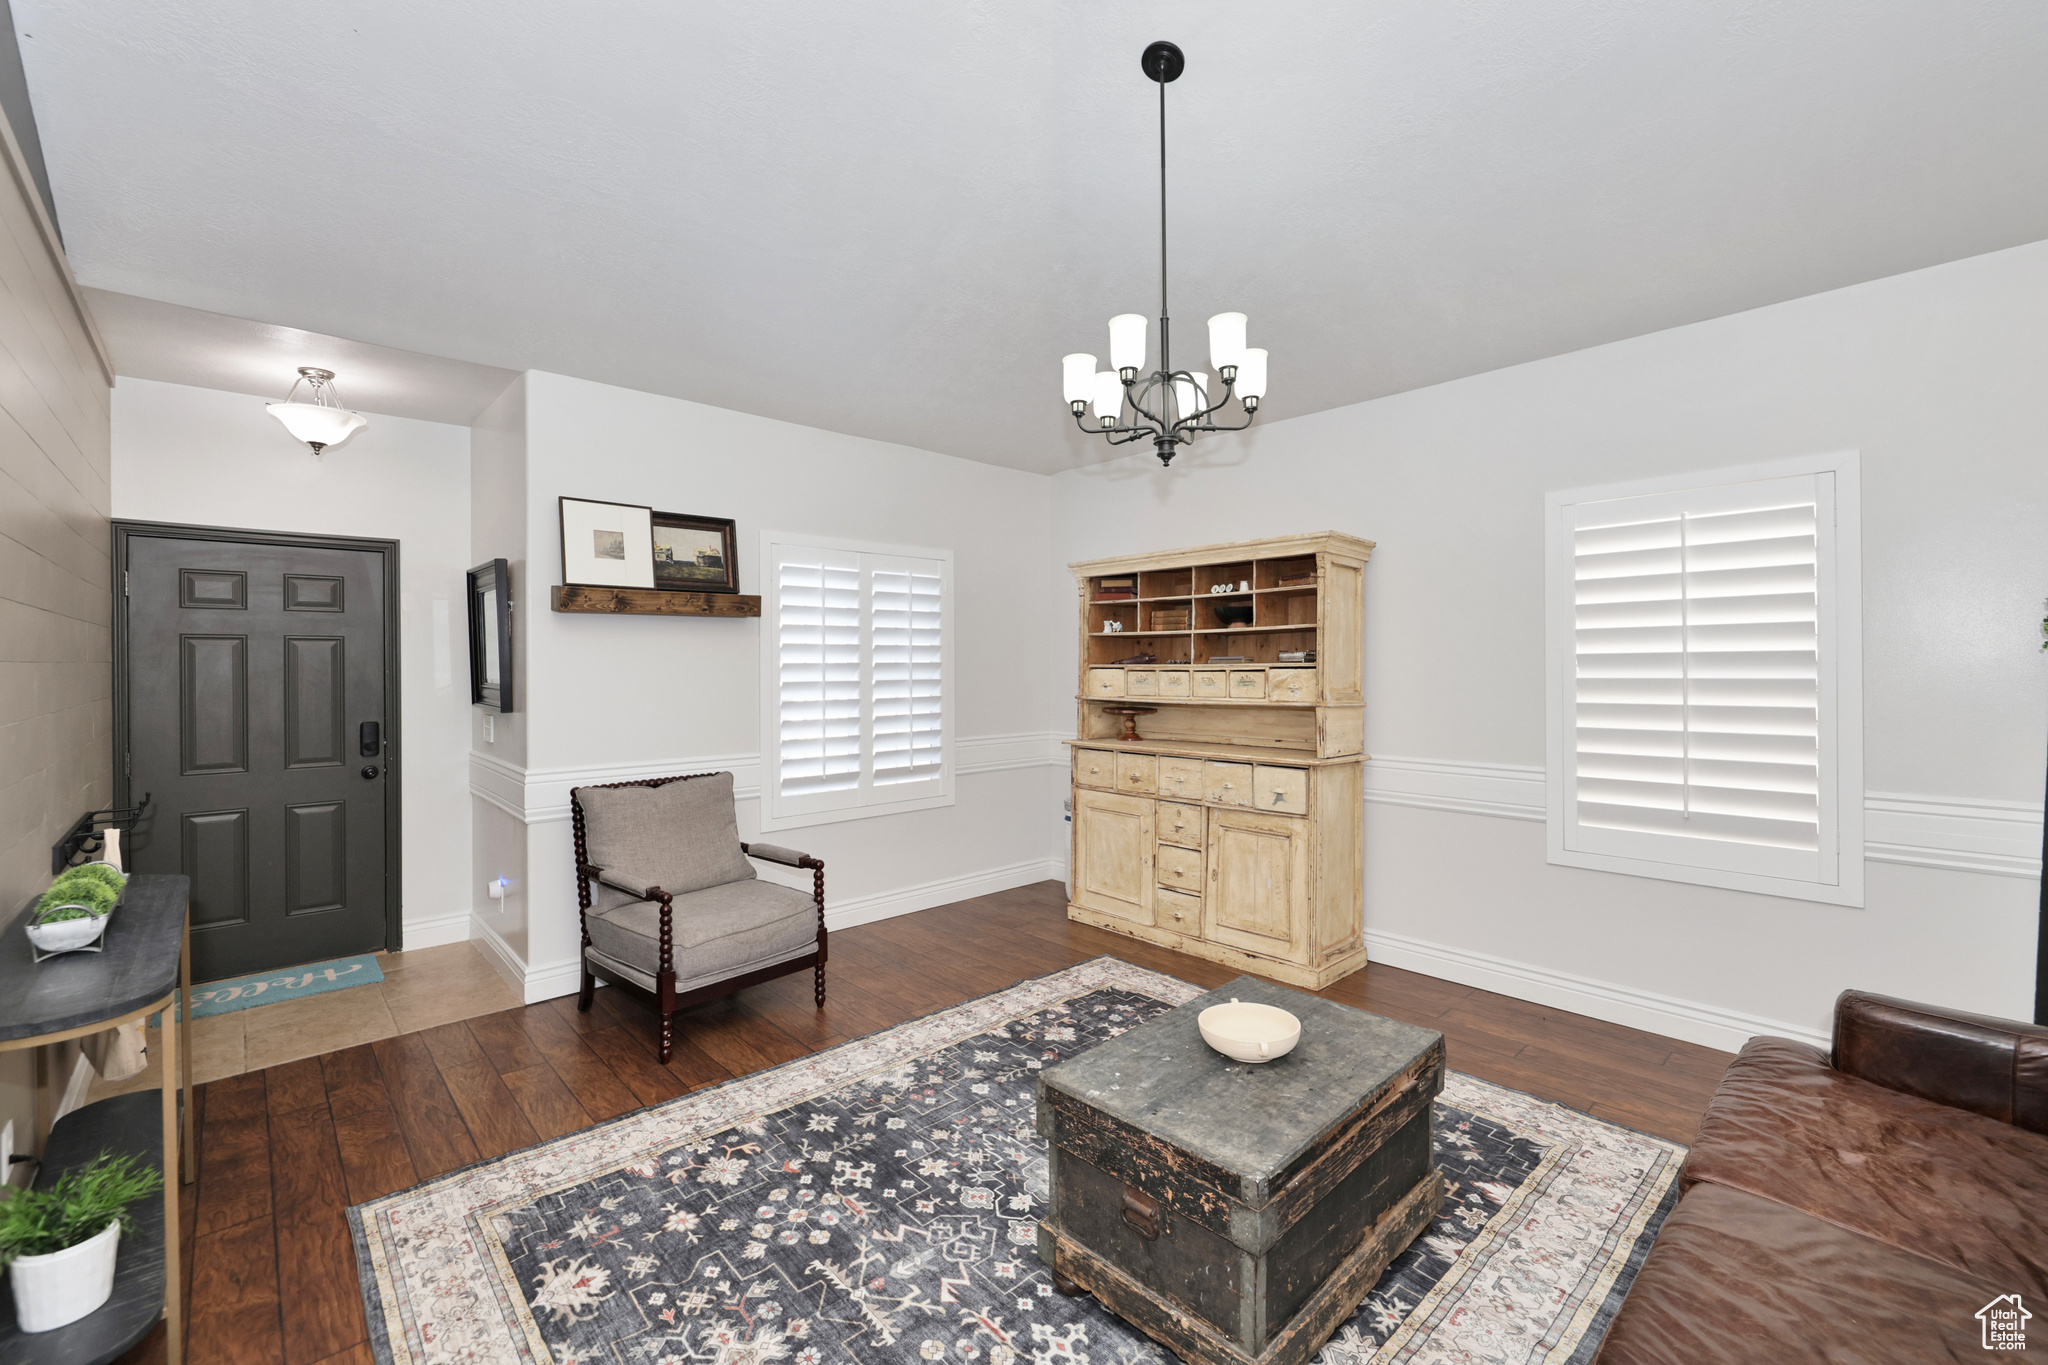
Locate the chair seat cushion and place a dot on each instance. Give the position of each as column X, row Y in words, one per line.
column 1734, row 1280
column 681, row 836
column 719, row 932
column 1936, row 1181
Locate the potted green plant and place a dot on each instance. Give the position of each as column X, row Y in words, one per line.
column 59, row 1243
column 74, row 911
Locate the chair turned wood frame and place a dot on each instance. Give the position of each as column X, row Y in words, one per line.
column 724, row 917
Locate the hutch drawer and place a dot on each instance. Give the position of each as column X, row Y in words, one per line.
column 1280, row 789
column 1180, row 824
column 1291, row 684
column 1248, row 683
column 1137, row 773
column 1227, row 784
column 1105, row 682
column 1211, row 684
column 1180, row 868
column 1178, row 911
column 1095, row 768
column 1181, row 777
column 1174, row 682
column 1141, row 682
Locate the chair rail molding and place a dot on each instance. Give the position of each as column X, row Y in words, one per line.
column 1952, row 833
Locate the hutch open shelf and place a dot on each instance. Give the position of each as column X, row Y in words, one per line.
column 1232, row 829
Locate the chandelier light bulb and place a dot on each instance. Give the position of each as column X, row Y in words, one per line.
column 1078, row 374
column 1226, row 341
column 1251, row 375
column 1127, row 343
column 1109, row 397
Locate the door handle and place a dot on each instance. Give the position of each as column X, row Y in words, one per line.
column 369, row 739
column 369, row 771
column 1141, row 1211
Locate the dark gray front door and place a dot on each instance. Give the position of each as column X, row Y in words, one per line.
column 253, row 671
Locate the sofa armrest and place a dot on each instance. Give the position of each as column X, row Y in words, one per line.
column 775, row 853
column 630, row 884
column 1994, row 1067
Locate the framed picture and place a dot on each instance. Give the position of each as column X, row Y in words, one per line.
column 490, row 635
column 694, row 554
column 606, row 544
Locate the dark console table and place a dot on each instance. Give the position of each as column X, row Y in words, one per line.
column 145, row 968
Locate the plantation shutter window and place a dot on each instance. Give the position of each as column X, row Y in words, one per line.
column 854, row 651
column 1698, row 677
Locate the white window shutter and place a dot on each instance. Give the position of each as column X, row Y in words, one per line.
column 854, row 646
column 1698, row 685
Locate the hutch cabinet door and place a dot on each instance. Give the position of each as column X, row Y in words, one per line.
column 1113, row 852
column 1258, row 883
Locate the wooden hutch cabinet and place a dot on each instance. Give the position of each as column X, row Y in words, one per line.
column 1233, row 829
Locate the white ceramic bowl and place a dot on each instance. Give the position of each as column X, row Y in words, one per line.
column 64, row 935
column 1246, row 1032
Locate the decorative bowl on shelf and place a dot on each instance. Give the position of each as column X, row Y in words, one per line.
column 1234, row 613
column 1248, row 1032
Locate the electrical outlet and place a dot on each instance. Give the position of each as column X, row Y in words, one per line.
column 497, row 888
column 490, row 729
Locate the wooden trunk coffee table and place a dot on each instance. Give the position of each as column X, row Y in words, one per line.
column 1238, row 1213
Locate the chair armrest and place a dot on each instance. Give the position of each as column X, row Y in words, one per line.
column 627, row 882
column 1994, row 1067
column 775, row 853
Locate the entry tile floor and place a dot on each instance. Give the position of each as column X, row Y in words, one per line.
column 421, row 989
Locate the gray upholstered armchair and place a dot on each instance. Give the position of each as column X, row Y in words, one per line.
column 670, row 904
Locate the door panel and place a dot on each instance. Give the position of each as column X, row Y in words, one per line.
column 315, row 702
column 1113, row 855
column 213, row 704
column 250, row 668
column 214, row 852
column 1258, row 883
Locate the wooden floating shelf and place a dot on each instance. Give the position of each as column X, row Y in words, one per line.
column 578, row 597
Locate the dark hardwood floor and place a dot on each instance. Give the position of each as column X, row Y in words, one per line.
column 271, row 1275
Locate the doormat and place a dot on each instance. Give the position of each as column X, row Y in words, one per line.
column 246, row 992
column 878, row 1203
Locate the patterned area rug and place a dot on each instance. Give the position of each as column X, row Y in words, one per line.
column 877, row 1204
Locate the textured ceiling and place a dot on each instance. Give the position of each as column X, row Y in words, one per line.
column 892, row 219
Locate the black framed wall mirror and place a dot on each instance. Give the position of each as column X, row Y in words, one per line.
column 490, row 635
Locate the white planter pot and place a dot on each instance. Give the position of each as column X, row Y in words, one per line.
column 64, row 1286
column 66, row 934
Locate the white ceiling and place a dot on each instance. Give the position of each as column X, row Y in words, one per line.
column 153, row 340
column 892, row 220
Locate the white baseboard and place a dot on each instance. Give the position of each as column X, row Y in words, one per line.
column 546, row 981
column 1668, row 1016
column 433, row 933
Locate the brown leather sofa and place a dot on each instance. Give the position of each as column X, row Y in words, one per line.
column 1863, row 1206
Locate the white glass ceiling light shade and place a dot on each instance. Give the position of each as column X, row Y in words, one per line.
column 1251, row 374
column 1226, row 340
column 1191, row 395
column 322, row 422
column 1077, row 372
column 1109, row 396
column 1127, row 342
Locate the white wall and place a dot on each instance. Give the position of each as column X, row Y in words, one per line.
column 1937, row 378
column 607, row 698
column 203, row 457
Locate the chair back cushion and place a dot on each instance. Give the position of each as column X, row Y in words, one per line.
column 680, row 836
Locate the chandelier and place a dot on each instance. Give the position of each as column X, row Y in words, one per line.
column 1167, row 407
column 322, row 422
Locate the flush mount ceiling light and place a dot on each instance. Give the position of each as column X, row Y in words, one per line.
column 323, row 421
column 1167, row 407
